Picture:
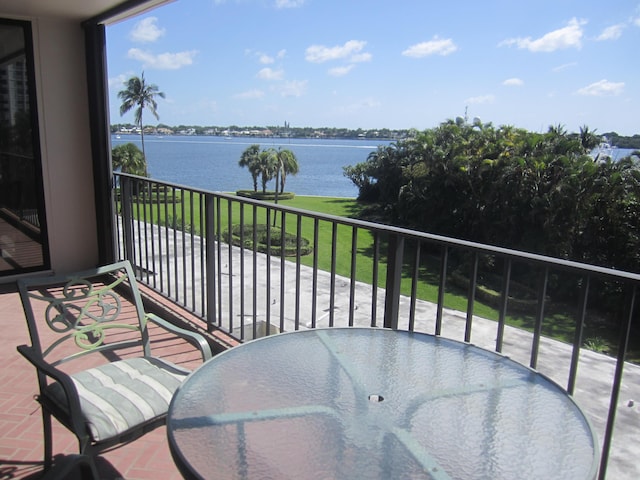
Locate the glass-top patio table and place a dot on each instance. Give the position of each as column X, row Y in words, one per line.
column 349, row 403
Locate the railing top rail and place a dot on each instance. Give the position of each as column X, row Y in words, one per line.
column 516, row 255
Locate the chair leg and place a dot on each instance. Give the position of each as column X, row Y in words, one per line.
column 64, row 468
column 46, row 428
column 88, row 458
column 89, row 467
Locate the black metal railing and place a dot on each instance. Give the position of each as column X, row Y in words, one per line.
column 244, row 266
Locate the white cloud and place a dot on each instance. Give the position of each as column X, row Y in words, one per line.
column 270, row 74
column 566, row 37
column 293, row 88
column 481, row 99
column 513, row 82
column 437, row 46
column 117, row 81
column 249, row 95
column 265, row 59
column 162, row 61
column 340, row 71
column 350, row 50
column 289, row 3
column 146, row 30
column 602, row 88
column 612, row 33
column 361, row 57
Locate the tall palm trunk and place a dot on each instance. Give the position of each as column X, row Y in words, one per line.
column 142, row 138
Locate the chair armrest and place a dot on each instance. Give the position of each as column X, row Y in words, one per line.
column 59, row 376
column 194, row 338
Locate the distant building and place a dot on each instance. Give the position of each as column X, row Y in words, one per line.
column 13, row 78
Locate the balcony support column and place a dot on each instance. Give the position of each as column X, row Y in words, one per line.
column 395, row 253
column 210, row 261
column 126, row 195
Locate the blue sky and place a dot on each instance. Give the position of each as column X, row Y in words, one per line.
column 385, row 64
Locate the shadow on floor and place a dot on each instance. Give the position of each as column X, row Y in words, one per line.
column 64, row 466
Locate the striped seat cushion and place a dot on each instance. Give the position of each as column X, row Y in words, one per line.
column 121, row 395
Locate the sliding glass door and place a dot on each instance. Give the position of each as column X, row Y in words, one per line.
column 23, row 232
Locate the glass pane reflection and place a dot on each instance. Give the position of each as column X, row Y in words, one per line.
column 22, row 230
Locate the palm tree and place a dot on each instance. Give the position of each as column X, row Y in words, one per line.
column 287, row 165
column 267, row 166
column 250, row 158
column 588, row 139
column 129, row 159
column 141, row 95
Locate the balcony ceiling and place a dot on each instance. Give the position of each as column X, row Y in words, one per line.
column 70, row 9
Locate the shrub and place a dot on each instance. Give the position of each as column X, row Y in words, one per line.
column 275, row 245
column 265, row 195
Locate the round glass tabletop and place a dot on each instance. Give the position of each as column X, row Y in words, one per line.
column 349, row 403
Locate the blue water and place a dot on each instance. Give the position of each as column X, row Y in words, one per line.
column 615, row 152
column 211, row 163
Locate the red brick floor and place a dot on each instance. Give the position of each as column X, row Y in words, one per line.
column 21, row 445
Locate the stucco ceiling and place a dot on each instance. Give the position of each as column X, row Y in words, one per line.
column 68, row 9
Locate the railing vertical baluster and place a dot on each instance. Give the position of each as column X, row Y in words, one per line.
column 167, row 237
column 314, row 285
column 442, row 285
column 283, row 246
column 298, row 271
column 192, row 238
column 184, row 247
column 268, row 292
column 242, row 285
column 504, row 300
column 537, row 332
column 254, row 239
column 209, row 231
column 174, row 229
column 352, row 284
column 617, row 382
column 332, row 294
column 577, row 340
column 230, row 260
column 471, row 297
column 137, row 255
column 145, row 222
column 203, row 226
column 218, row 235
column 414, row 286
column 395, row 256
column 117, row 208
column 153, row 205
column 374, row 279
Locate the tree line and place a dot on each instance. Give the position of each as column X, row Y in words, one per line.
column 509, row 187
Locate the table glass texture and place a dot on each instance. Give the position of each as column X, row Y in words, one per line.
column 351, row 403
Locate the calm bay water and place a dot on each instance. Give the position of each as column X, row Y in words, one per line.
column 211, row 163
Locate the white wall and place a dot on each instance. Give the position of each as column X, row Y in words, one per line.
column 65, row 143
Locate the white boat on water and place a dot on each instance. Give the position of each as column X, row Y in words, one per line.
column 603, row 151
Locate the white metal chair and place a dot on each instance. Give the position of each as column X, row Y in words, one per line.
column 95, row 320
